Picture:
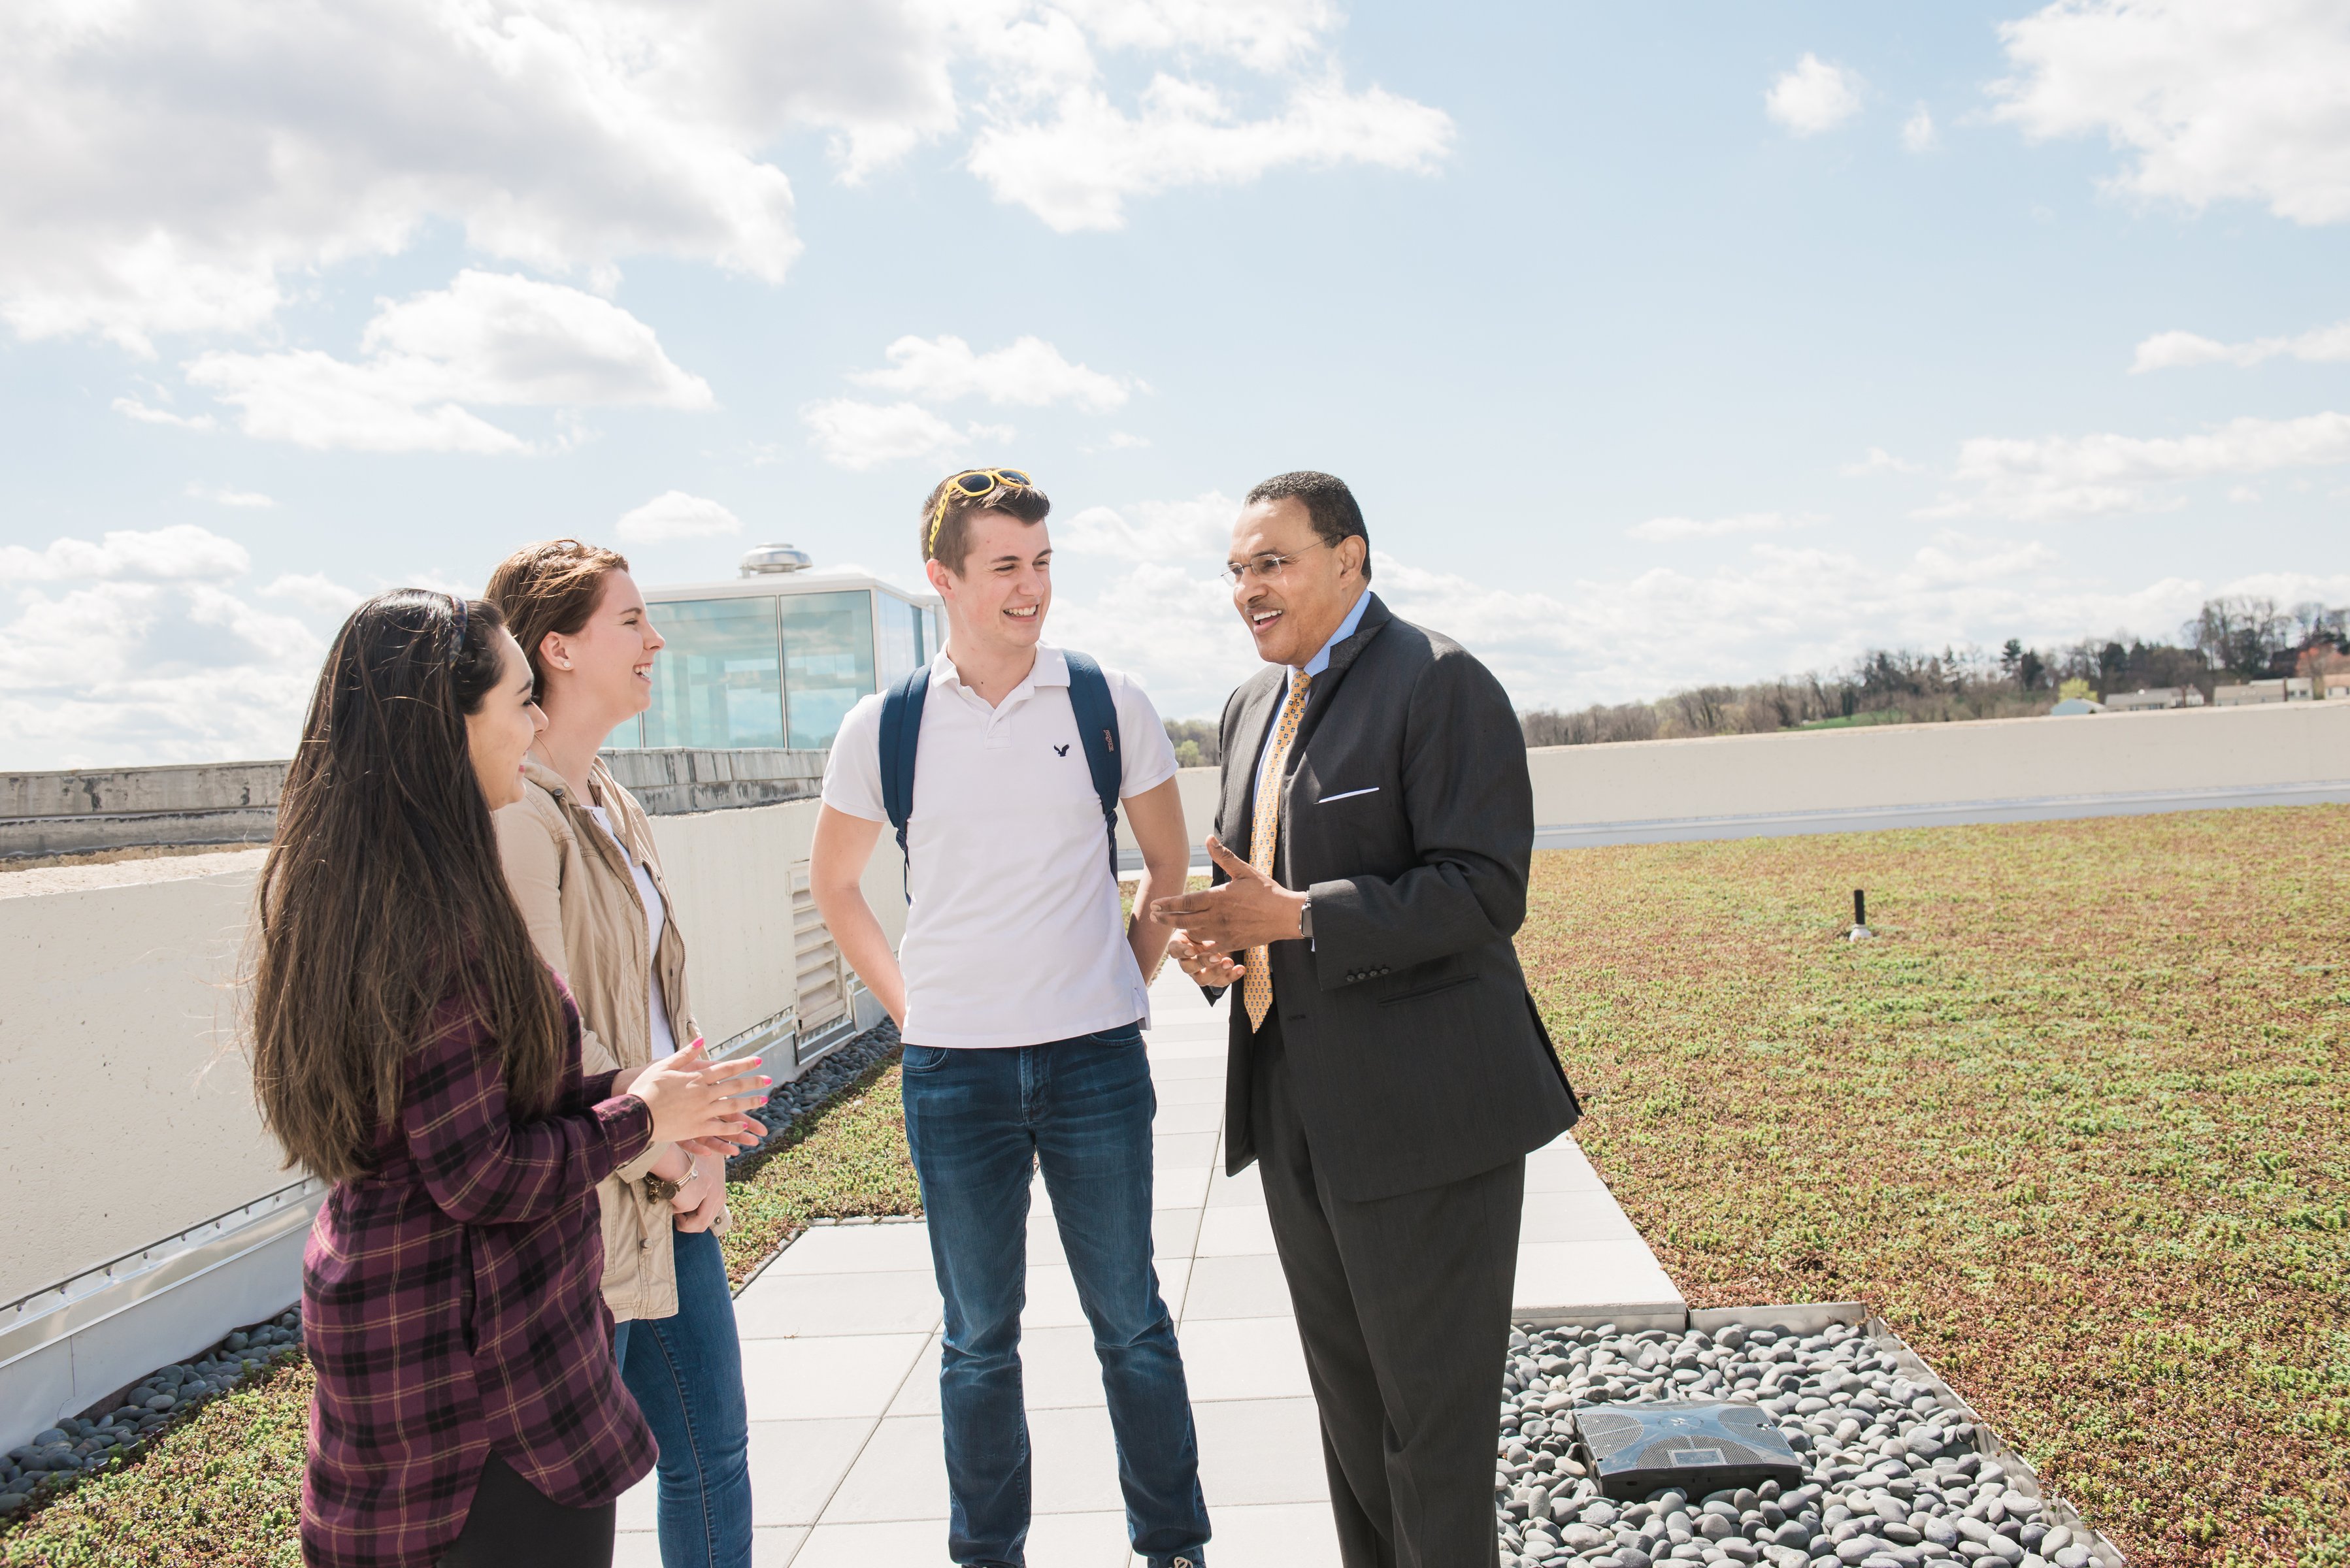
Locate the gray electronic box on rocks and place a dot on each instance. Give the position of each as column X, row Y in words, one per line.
column 1635, row 1450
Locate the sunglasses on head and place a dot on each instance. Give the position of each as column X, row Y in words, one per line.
column 974, row 483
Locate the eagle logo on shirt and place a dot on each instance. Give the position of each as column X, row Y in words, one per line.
column 1060, row 751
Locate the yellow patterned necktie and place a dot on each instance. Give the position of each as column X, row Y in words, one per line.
column 1256, row 985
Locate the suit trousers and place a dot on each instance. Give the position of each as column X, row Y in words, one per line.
column 1403, row 1305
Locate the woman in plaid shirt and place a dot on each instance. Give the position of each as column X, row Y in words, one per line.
column 410, row 1046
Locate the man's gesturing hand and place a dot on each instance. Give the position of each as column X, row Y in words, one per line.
column 1249, row 910
column 1204, row 964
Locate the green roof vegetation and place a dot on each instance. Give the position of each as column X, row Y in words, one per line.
column 2075, row 1123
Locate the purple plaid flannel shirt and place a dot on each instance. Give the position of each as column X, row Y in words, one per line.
column 450, row 1305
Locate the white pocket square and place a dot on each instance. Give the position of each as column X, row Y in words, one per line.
column 1350, row 795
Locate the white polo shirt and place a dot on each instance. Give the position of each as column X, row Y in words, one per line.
column 1014, row 937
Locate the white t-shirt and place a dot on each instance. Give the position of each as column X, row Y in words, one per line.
column 1014, row 937
column 656, row 916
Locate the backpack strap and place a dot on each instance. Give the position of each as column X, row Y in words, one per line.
column 1089, row 699
column 901, row 732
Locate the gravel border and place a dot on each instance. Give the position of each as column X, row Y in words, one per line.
column 1893, row 1476
column 58, row 1456
column 810, row 1091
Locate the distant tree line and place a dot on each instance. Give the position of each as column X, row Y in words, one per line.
column 1197, row 742
column 2230, row 639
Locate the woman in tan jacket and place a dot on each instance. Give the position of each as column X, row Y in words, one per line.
column 580, row 856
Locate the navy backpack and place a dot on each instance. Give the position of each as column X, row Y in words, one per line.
column 901, row 732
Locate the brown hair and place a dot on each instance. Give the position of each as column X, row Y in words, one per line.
column 383, row 897
column 552, row 586
column 950, row 544
column 1329, row 505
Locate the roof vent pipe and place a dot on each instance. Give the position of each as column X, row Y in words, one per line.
column 763, row 558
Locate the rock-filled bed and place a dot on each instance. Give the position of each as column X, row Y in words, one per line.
column 1895, row 1473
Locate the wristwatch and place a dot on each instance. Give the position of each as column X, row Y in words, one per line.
column 1305, row 919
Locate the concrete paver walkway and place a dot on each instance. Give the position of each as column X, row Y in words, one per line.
column 840, row 1355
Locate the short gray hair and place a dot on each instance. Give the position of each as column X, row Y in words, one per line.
column 1328, row 502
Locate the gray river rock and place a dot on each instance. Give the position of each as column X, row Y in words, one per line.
column 1891, row 1476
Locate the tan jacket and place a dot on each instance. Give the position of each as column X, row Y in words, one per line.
column 580, row 900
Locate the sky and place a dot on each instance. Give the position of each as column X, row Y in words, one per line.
column 1661, row 345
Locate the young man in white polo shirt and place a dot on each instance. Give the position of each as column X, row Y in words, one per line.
column 1021, row 996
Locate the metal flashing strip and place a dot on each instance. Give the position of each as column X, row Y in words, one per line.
column 782, row 1031
column 1936, row 814
column 761, row 1036
column 58, row 1312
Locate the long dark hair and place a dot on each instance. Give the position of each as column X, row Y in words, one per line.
column 383, row 895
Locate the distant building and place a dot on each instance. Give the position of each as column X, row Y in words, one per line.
column 2072, row 705
column 2154, row 697
column 2284, row 688
column 2337, row 684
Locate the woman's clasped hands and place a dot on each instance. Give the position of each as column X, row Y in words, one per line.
column 695, row 1101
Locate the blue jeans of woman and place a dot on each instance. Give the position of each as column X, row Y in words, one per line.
column 979, row 1122
column 686, row 1372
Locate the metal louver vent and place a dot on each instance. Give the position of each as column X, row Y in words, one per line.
column 822, row 975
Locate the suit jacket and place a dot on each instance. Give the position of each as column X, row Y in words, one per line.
column 1414, row 1048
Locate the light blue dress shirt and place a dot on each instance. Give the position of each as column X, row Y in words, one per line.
column 1314, row 665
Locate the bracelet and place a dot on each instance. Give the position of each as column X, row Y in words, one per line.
column 662, row 1190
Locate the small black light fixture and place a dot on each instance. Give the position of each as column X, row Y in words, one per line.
column 1860, row 931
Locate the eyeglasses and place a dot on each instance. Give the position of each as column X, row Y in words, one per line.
column 1265, row 567
column 974, row 483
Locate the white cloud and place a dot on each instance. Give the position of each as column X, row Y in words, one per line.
column 1917, row 131
column 1772, row 609
column 135, row 649
column 2175, row 350
column 2210, row 100
column 133, row 409
column 2243, row 495
column 2079, row 477
column 316, row 401
column 1879, row 461
column 168, row 168
column 488, row 338
column 1028, row 371
column 854, row 434
column 1813, row 97
column 169, row 163
column 1076, row 160
column 220, row 495
column 182, row 552
column 674, row 514
column 313, row 591
column 1668, row 529
column 1196, row 530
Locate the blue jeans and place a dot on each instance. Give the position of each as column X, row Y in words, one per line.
column 686, row 1372
column 979, row 1122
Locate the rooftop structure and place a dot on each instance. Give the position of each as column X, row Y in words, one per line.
column 777, row 657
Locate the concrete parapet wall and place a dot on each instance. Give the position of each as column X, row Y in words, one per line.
column 1901, row 775
column 2180, row 750
column 83, row 810
column 119, row 1028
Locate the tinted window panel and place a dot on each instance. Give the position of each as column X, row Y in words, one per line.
column 717, row 683
column 828, row 654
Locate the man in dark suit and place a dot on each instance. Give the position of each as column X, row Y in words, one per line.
column 1387, row 1068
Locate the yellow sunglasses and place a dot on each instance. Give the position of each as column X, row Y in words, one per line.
column 974, row 483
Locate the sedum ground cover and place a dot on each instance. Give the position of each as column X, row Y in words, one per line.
column 2073, row 1123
